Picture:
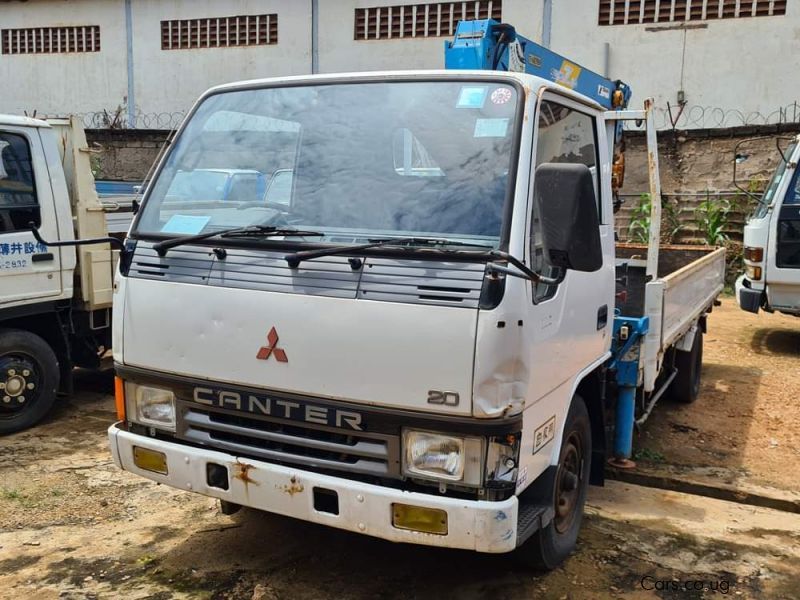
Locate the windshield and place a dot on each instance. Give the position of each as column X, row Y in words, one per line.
column 355, row 161
column 774, row 183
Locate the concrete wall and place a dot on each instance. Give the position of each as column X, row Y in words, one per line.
column 733, row 71
column 171, row 80
column 340, row 52
column 742, row 64
column 60, row 83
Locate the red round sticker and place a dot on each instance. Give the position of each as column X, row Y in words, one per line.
column 500, row 96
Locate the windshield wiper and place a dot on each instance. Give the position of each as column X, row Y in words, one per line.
column 246, row 231
column 295, row 258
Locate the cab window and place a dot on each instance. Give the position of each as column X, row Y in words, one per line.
column 18, row 204
column 565, row 136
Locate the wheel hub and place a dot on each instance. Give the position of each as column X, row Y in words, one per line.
column 18, row 381
column 568, row 484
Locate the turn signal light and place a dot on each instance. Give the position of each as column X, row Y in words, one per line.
column 753, row 254
column 150, row 460
column 753, row 273
column 119, row 397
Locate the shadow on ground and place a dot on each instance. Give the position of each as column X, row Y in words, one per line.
column 777, row 341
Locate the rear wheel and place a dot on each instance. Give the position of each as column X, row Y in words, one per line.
column 28, row 379
column 686, row 386
column 549, row 546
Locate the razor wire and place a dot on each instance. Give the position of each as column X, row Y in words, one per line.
column 667, row 117
column 119, row 119
column 688, row 117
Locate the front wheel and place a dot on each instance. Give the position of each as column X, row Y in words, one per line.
column 28, row 379
column 549, row 546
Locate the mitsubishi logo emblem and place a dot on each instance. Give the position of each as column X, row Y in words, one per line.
column 271, row 348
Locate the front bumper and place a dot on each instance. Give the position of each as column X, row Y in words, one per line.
column 363, row 508
column 747, row 298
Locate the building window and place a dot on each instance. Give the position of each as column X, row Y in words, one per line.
column 219, row 32
column 50, row 40
column 636, row 12
column 421, row 20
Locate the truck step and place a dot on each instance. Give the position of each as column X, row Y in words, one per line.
column 532, row 517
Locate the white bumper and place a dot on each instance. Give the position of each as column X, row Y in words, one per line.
column 363, row 508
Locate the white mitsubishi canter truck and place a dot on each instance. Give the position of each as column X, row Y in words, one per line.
column 431, row 338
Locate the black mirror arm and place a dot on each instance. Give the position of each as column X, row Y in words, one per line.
column 106, row 240
column 524, row 272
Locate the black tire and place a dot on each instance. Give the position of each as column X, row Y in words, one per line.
column 29, row 377
column 549, row 547
column 685, row 387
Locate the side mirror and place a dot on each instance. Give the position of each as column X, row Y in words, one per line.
column 567, row 207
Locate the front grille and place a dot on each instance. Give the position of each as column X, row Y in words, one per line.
column 290, row 442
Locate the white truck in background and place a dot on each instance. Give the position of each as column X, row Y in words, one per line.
column 771, row 280
column 55, row 302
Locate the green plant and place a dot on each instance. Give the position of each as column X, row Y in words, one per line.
column 648, row 455
column 639, row 228
column 671, row 220
column 711, row 217
column 96, row 166
column 11, row 494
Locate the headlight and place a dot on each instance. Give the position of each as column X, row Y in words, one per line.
column 151, row 406
column 443, row 457
column 753, row 273
column 502, row 461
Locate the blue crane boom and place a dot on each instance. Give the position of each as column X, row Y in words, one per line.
column 490, row 45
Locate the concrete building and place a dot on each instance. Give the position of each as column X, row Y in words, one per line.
column 143, row 62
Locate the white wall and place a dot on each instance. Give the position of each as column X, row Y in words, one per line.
column 340, row 52
column 55, row 83
column 747, row 65
column 171, row 80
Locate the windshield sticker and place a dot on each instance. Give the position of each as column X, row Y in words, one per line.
column 501, row 96
column 472, row 97
column 490, row 128
column 187, row 224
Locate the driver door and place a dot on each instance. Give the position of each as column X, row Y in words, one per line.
column 571, row 321
column 28, row 270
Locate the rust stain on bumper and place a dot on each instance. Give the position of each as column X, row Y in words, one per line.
column 293, row 487
column 242, row 473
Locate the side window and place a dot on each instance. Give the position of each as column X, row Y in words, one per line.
column 279, row 190
column 18, row 204
column 793, row 193
column 565, row 136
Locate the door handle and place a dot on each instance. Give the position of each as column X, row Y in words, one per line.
column 42, row 257
column 602, row 317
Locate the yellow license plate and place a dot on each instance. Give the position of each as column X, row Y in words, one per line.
column 419, row 518
column 150, row 460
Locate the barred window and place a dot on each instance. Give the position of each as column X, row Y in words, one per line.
column 219, row 32
column 630, row 12
column 421, row 20
column 50, row 40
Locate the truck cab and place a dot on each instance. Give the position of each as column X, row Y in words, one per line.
column 772, row 243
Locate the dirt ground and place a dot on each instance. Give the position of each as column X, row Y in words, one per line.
column 72, row 526
column 745, row 427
